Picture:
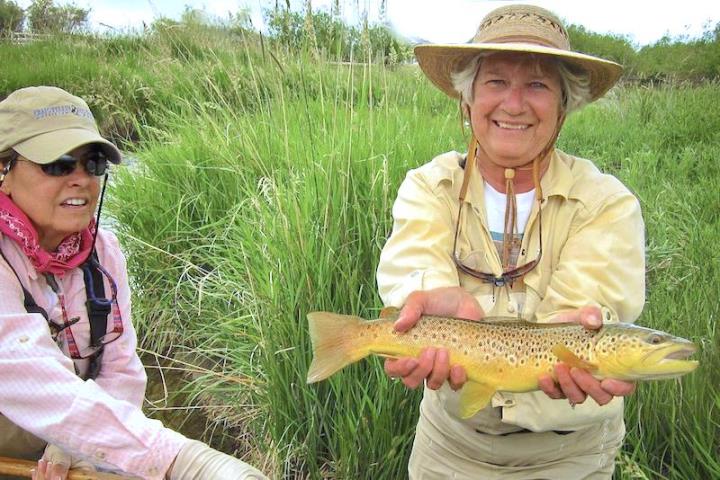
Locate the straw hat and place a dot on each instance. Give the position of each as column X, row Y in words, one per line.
column 43, row 123
column 515, row 28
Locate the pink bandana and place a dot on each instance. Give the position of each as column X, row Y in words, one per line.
column 71, row 252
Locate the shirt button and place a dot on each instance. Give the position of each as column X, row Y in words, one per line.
column 509, row 403
column 153, row 471
column 100, row 455
column 23, row 339
column 511, row 308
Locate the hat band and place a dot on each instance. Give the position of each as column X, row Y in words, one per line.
column 541, row 41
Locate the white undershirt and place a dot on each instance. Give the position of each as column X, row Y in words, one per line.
column 495, row 209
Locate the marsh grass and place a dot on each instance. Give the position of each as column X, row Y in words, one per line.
column 262, row 191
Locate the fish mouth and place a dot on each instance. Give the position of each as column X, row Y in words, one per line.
column 670, row 361
column 681, row 354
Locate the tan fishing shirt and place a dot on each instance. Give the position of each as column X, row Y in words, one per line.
column 593, row 254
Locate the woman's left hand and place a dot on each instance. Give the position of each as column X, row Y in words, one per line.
column 50, row 471
column 576, row 384
column 56, row 464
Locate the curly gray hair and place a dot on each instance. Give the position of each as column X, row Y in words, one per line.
column 575, row 83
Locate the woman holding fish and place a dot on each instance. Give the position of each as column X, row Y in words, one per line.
column 72, row 382
column 515, row 228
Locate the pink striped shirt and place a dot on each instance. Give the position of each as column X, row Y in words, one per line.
column 98, row 420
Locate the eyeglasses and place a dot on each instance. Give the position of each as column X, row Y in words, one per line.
column 109, row 337
column 95, row 163
column 507, row 277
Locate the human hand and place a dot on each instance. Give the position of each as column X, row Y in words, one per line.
column 576, row 384
column 55, row 464
column 433, row 364
column 197, row 461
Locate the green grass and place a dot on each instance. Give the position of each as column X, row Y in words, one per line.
column 262, row 191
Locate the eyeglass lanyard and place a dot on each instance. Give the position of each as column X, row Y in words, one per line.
column 469, row 161
column 66, row 320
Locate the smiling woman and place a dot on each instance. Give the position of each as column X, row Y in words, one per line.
column 58, row 198
column 514, row 227
column 72, row 382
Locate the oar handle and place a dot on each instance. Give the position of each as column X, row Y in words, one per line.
column 22, row 468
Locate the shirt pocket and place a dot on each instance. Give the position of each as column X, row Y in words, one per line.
column 534, row 291
column 475, row 259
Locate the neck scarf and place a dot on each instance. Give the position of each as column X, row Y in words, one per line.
column 71, row 252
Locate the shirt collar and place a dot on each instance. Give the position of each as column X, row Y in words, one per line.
column 557, row 180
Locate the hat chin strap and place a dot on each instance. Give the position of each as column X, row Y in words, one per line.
column 510, row 224
column 97, row 217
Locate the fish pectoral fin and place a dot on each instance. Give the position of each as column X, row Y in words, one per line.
column 568, row 357
column 388, row 355
column 474, row 397
column 388, row 312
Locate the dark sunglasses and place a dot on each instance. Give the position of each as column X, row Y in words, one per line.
column 94, row 162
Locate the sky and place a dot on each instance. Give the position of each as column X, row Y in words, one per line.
column 441, row 21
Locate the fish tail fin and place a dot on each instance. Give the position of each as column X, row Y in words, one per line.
column 336, row 343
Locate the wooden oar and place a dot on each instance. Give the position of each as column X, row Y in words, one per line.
column 22, row 468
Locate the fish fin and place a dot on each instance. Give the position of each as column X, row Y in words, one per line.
column 474, row 397
column 335, row 343
column 388, row 355
column 562, row 352
column 388, row 312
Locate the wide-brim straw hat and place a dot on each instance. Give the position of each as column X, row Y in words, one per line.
column 515, row 28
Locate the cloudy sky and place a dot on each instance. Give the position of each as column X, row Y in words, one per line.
column 643, row 21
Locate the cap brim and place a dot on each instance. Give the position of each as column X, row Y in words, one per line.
column 47, row 147
column 440, row 61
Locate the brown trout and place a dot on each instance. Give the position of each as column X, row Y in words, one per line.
column 501, row 354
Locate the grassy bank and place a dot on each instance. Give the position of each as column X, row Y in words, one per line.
column 262, row 192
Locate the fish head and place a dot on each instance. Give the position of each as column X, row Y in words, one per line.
column 630, row 352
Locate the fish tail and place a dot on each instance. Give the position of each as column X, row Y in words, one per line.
column 336, row 343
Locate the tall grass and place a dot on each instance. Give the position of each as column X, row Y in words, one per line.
column 262, row 191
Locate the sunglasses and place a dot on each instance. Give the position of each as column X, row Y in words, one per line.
column 507, row 277
column 94, row 162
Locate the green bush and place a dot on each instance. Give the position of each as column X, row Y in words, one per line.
column 12, row 17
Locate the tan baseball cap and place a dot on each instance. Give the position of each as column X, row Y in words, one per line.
column 44, row 123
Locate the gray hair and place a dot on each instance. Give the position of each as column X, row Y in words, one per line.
column 575, row 83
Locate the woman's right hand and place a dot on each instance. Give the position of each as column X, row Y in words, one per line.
column 433, row 364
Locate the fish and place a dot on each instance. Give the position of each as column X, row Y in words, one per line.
column 500, row 354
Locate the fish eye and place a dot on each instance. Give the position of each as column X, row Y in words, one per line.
column 655, row 339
